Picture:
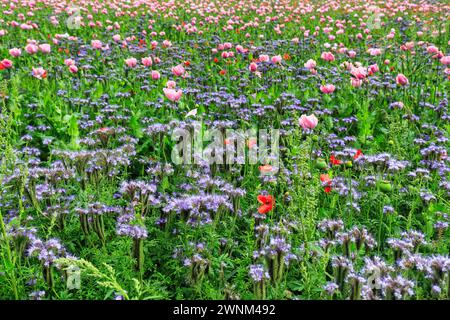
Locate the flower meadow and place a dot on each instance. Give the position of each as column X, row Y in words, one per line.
column 349, row 197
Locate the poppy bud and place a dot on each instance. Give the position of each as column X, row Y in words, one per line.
column 287, row 198
column 288, row 294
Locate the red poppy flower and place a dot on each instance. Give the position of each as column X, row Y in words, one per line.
column 187, row 63
column 358, row 154
column 267, row 203
column 222, row 72
column 104, row 130
column 265, row 168
column 216, row 60
column 2, row 66
column 327, row 181
column 251, row 143
column 334, row 161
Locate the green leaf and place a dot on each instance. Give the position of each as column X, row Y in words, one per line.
column 165, row 184
column 295, row 285
column 135, row 126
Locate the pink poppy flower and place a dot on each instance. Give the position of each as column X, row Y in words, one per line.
column 342, row 50
column 308, row 122
column 327, row 89
column 445, row 60
column 171, row 84
column 15, row 52
column 374, row 51
column 39, row 73
column 310, row 64
column 240, row 49
column 327, row 56
column 438, row 55
column 44, row 48
column 73, row 68
column 131, row 62
column 253, row 67
column 69, row 62
column 276, row 59
column 96, row 44
column 264, row 58
column 166, row 44
column 407, row 46
column 401, row 80
column 373, row 69
column 356, row 83
column 147, row 61
column 351, row 53
column 172, row 94
column 178, row 70
column 432, row 49
column 6, row 64
column 359, row 72
column 31, row 48
column 155, row 75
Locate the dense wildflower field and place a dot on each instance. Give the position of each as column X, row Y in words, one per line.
column 224, row 149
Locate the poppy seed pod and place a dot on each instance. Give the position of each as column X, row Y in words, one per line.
column 321, row 164
column 384, row 185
